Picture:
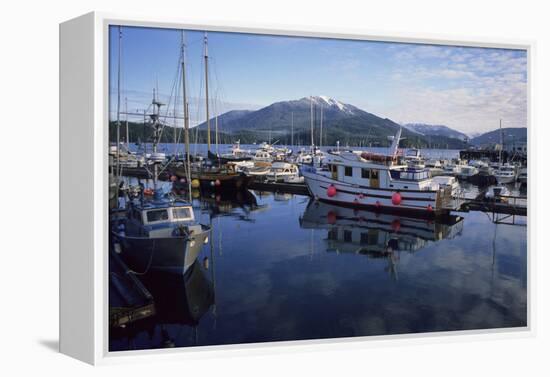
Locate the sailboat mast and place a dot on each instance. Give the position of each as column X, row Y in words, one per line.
column 117, row 166
column 311, row 120
column 118, row 103
column 292, row 128
column 216, row 136
column 501, row 144
column 321, row 129
column 206, row 90
column 127, row 129
column 185, row 116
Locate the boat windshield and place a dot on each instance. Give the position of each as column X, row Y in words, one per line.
column 410, row 175
column 183, row 213
column 157, row 215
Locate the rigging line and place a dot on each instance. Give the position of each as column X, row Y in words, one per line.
column 174, row 83
column 199, row 106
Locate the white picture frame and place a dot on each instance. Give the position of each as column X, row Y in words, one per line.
column 83, row 188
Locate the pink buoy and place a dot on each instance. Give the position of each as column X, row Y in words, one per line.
column 331, row 191
column 396, row 198
column 430, row 208
column 217, row 183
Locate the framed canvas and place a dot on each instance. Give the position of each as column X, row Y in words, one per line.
column 245, row 188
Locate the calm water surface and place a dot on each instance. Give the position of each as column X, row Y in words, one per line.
column 280, row 268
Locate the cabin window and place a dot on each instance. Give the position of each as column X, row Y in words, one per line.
column 157, row 215
column 181, row 213
column 348, row 171
column 347, row 235
column 333, row 234
column 364, row 238
column 365, row 173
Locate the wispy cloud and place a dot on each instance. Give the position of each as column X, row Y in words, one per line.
column 466, row 88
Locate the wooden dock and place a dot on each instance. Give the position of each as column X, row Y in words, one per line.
column 129, row 300
column 508, row 207
column 286, row 188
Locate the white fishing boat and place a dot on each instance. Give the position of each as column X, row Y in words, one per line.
column 280, row 170
column 366, row 179
column 262, row 155
column 506, row 173
column 466, row 171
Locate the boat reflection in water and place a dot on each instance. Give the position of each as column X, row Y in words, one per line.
column 374, row 234
column 227, row 204
column 180, row 301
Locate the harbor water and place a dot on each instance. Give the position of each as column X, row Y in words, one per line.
column 279, row 267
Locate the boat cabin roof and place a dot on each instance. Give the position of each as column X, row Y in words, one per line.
column 159, row 204
column 159, row 213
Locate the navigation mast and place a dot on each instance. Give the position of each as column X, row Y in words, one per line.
column 185, row 116
column 206, row 86
column 321, row 129
column 311, row 119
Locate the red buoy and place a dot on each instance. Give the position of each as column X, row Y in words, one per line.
column 430, row 208
column 396, row 198
column 331, row 217
column 331, row 191
column 217, row 183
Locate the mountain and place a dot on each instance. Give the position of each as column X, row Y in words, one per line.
column 435, row 130
column 341, row 122
column 493, row 137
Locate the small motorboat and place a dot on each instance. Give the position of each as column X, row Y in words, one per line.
column 280, row 170
column 158, row 233
column 506, row 174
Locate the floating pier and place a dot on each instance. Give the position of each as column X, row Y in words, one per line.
column 129, row 300
column 286, row 188
column 509, row 207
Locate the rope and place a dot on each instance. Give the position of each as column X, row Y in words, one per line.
column 130, row 271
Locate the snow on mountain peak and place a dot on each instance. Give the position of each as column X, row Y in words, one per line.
column 331, row 102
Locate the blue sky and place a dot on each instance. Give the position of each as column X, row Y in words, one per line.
column 468, row 89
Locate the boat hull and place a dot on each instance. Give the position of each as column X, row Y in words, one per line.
column 415, row 202
column 226, row 159
column 505, row 179
column 223, row 182
column 171, row 254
